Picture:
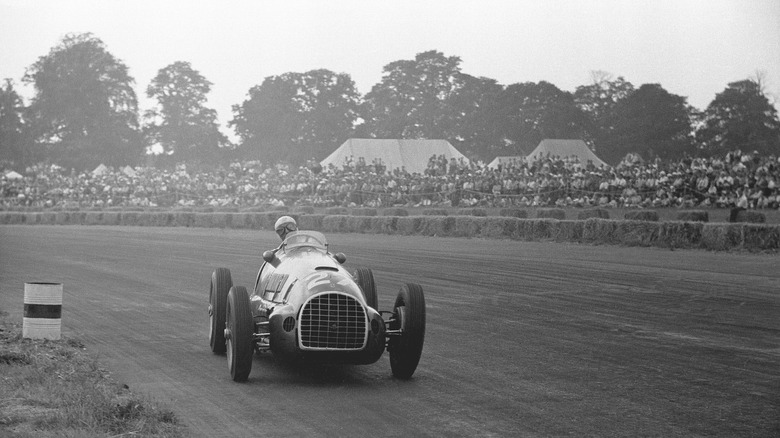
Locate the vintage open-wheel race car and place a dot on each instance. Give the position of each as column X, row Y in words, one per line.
column 306, row 306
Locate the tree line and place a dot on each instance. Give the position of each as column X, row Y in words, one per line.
column 85, row 112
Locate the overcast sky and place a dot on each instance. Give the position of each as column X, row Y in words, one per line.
column 693, row 48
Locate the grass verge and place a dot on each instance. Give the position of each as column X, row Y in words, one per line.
column 56, row 388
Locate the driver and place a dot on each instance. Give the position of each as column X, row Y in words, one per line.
column 284, row 226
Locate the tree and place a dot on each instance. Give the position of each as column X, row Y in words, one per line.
column 84, row 111
column 477, row 130
column 539, row 111
column 652, row 123
column 181, row 124
column 413, row 98
column 599, row 100
column 740, row 117
column 12, row 127
column 297, row 116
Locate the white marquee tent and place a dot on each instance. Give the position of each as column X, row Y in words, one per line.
column 412, row 155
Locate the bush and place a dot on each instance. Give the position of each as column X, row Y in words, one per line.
column 642, row 215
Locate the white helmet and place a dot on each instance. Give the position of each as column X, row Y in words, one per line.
column 284, row 225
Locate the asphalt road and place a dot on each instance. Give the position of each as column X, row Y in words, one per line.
column 523, row 339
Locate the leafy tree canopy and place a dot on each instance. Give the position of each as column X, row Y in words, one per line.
column 740, row 117
column 84, row 111
column 297, row 116
column 12, row 126
column 181, row 123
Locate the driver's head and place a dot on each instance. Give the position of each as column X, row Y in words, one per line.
column 284, row 225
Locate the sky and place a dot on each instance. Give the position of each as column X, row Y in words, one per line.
column 693, row 48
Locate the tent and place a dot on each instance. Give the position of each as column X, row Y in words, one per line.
column 504, row 160
column 413, row 155
column 566, row 148
column 129, row 171
column 100, row 170
column 13, row 175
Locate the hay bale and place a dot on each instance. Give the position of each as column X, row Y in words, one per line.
column 721, row 237
column 304, row 209
column 636, row 233
column 468, row 226
column 680, row 234
column 364, row 212
column 761, row 237
column 567, row 231
column 311, row 222
column 599, row 213
column 434, row 212
column 693, row 216
column 513, row 212
column 395, row 212
column 499, row 227
column 479, row 212
column 338, row 211
column 551, row 213
column 642, row 215
column 438, row 225
column 750, row 216
column 335, row 223
column 409, row 225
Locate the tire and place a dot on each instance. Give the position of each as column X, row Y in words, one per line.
column 221, row 282
column 406, row 349
column 239, row 334
column 365, row 279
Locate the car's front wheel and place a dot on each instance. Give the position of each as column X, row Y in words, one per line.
column 221, row 282
column 239, row 334
column 409, row 316
column 365, row 279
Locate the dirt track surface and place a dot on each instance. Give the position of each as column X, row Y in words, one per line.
column 523, row 339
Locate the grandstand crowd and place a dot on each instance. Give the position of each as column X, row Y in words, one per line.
column 745, row 180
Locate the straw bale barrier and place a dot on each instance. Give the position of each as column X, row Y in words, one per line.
column 304, row 209
column 480, row 212
column 593, row 212
column 337, row 211
column 395, row 212
column 750, row 216
column 364, row 212
column 513, row 212
column 693, row 216
column 593, row 230
column 642, row 215
column 552, row 213
column 435, row 212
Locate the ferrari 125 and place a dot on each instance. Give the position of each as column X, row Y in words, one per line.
column 306, row 306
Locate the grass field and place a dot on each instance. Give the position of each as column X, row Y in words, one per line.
column 56, row 388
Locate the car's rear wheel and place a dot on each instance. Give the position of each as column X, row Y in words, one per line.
column 409, row 316
column 239, row 334
column 365, row 279
column 221, row 282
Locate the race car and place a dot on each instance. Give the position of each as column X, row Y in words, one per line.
column 305, row 306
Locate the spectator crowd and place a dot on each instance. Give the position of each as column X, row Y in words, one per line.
column 738, row 179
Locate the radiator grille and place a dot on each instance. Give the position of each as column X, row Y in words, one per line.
column 333, row 321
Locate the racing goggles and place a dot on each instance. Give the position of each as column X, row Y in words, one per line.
column 282, row 231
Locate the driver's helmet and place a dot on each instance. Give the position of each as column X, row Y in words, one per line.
column 285, row 225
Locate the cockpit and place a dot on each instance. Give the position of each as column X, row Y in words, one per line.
column 297, row 239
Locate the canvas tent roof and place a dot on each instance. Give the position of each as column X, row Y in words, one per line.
column 566, row 148
column 413, row 155
column 505, row 160
column 13, row 175
column 100, row 170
